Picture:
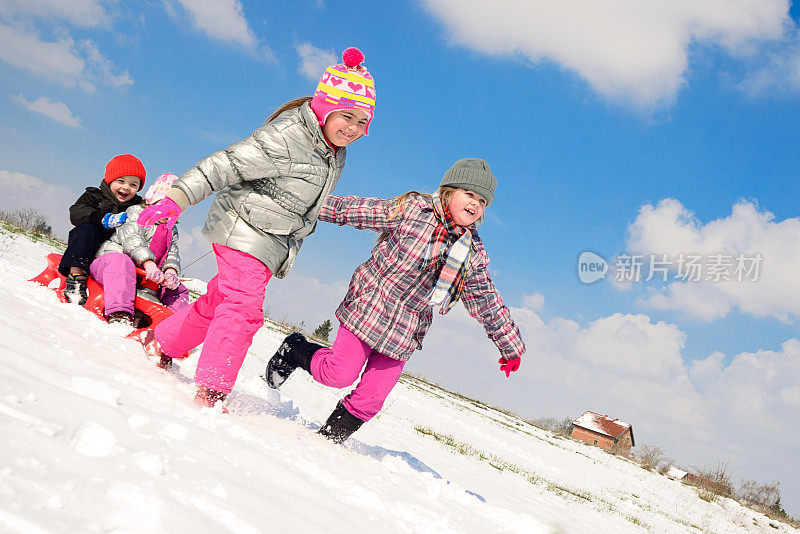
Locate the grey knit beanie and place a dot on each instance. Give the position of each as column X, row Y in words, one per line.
column 472, row 174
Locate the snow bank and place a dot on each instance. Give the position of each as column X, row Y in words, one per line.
column 97, row 439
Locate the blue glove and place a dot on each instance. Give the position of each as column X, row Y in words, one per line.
column 111, row 220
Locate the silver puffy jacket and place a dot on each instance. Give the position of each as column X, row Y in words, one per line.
column 133, row 240
column 269, row 188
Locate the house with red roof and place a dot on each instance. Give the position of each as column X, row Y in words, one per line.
column 603, row 431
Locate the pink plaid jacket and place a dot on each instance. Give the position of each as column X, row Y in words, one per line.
column 386, row 305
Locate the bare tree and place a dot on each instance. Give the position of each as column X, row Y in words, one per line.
column 713, row 481
column 764, row 494
column 653, row 458
column 27, row 219
column 559, row 426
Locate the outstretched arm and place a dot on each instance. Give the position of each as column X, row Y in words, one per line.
column 249, row 159
column 360, row 212
column 134, row 241
column 485, row 304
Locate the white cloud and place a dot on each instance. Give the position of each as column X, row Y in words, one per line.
column 103, row 67
column 64, row 61
column 86, row 13
column 607, row 366
column 223, row 20
column 534, row 301
column 778, row 74
column 708, row 370
column 633, row 345
column 755, row 395
column 629, row 51
column 669, row 228
column 53, row 60
column 57, row 111
column 25, row 191
column 313, row 60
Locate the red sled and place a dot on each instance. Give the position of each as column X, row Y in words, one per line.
column 146, row 303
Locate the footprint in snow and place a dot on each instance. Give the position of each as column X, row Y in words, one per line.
column 95, row 389
column 93, row 440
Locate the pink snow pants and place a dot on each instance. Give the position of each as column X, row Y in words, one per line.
column 340, row 365
column 225, row 319
column 116, row 272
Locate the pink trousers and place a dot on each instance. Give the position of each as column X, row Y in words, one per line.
column 116, row 272
column 340, row 365
column 225, row 319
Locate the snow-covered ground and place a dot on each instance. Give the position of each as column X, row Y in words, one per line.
column 95, row 438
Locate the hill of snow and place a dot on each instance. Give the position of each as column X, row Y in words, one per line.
column 97, row 439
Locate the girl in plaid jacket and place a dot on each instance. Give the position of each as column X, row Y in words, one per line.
column 429, row 254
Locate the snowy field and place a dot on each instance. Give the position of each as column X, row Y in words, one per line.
column 95, row 438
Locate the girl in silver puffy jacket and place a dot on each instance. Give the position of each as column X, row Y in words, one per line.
column 268, row 191
column 155, row 249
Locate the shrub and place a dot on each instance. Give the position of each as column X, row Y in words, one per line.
column 713, row 481
column 762, row 494
column 559, row 426
column 563, row 427
column 653, row 458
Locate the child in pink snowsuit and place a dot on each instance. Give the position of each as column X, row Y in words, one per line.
column 155, row 249
column 429, row 255
column 268, row 190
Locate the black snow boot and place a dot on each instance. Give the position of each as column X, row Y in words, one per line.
column 120, row 317
column 340, row 425
column 295, row 351
column 75, row 290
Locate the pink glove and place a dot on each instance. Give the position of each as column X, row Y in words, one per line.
column 509, row 366
column 165, row 208
column 171, row 280
column 152, row 272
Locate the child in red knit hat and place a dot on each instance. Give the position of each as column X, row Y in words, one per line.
column 155, row 249
column 96, row 213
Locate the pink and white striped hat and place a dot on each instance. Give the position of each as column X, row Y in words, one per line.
column 347, row 85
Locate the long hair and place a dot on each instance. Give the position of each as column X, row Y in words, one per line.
column 398, row 203
column 292, row 104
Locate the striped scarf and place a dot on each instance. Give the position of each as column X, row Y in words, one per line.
column 450, row 283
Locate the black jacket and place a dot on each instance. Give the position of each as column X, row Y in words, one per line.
column 94, row 203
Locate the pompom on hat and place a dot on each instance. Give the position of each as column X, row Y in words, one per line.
column 347, row 85
column 124, row 165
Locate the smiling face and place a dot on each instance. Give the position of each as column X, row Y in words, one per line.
column 125, row 187
column 345, row 126
column 466, row 207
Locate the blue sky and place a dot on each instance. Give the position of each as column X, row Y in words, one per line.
column 586, row 118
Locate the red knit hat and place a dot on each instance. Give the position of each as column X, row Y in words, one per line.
column 124, row 165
